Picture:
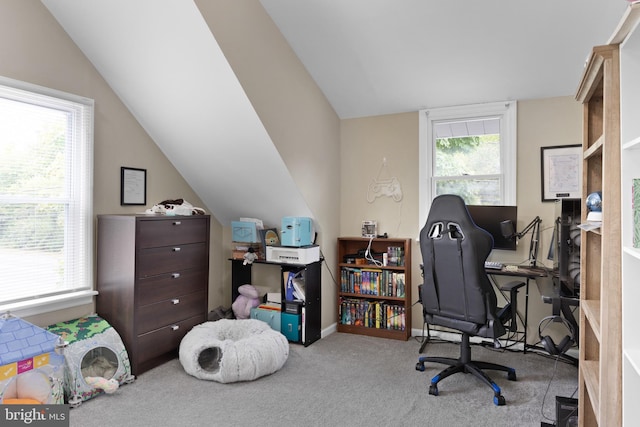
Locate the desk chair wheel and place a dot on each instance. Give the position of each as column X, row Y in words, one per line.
column 498, row 400
column 420, row 366
column 511, row 375
column 433, row 389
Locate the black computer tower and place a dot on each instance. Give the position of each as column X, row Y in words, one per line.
column 566, row 412
column 566, row 245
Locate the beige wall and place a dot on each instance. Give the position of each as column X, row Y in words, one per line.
column 366, row 141
column 301, row 123
column 332, row 161
column 35, row 49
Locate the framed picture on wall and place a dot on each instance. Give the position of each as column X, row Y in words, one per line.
column 561, row 172
column 133, row 186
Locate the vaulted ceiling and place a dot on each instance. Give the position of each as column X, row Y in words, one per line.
column 163, row 62
column 374, row 57
column 369, row 57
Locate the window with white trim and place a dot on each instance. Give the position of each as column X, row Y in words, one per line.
column 470, row 151
column 46, row 185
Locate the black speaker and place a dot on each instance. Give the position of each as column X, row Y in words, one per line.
column 566, row 412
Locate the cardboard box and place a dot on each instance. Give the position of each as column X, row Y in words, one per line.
column 240, row 248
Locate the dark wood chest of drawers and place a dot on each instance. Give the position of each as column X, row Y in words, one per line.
column 153, row 274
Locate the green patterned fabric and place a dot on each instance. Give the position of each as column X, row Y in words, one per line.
column 80, row 329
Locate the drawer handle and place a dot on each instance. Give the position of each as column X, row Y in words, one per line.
column 175, row 327
column 176, row 249
column 175, row 275
column 177, row 222
column 175, row 301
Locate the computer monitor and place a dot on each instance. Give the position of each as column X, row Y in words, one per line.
column 489, row 218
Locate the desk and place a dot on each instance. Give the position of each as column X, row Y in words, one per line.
column 526, row 273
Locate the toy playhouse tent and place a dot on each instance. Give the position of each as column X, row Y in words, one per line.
column 31, row 363
column 96, row 358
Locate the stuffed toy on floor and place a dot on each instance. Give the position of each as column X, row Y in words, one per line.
column 108, row 386
column 248, row 298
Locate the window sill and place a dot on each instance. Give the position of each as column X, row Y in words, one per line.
column 48, row 304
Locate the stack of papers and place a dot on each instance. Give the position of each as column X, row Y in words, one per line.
column 590, row 225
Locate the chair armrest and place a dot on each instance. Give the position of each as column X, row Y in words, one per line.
column 509, row 313
column 511, row 286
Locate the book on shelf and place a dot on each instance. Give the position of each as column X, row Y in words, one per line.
column 270, row 306
column 395, row 256
column 400, row 289
column 303, row 318
column 287, row 277
column 372, row 314
column 370, row 281
column 298, row 287
column 294, row 285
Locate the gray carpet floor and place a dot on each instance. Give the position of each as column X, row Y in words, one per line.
column 341, row 380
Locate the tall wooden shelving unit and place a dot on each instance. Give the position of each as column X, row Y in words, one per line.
column 600, row 371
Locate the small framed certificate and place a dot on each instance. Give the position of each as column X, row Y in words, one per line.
column 133, row 186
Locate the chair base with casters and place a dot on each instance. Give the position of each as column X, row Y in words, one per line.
column 465, row 365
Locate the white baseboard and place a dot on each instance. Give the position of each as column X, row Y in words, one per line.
column 329, row 330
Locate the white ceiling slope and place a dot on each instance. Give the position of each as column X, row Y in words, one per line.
column 374, row 57
column 161, row 59
column 369, row 57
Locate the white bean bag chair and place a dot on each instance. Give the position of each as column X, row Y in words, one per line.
column 230, row 350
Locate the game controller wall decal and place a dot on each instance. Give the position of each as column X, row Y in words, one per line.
column 389, row 188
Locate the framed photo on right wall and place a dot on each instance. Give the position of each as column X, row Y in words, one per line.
column 561, row 168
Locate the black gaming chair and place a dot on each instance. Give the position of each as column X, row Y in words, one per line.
column 456, row 292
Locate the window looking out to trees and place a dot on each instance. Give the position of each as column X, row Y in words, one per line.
column 46, row 169
column 469, row 151
column 467, row 160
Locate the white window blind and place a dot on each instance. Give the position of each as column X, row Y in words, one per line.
column 46, row 180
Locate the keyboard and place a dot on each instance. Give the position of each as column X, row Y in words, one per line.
column 493, row 265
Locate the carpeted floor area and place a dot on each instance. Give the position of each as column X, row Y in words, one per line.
column 341, row 380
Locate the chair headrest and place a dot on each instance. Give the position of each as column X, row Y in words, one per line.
column 448, row 215
column 450, row 207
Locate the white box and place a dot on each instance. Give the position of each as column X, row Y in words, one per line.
column 288, row 255
column 275, row 297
